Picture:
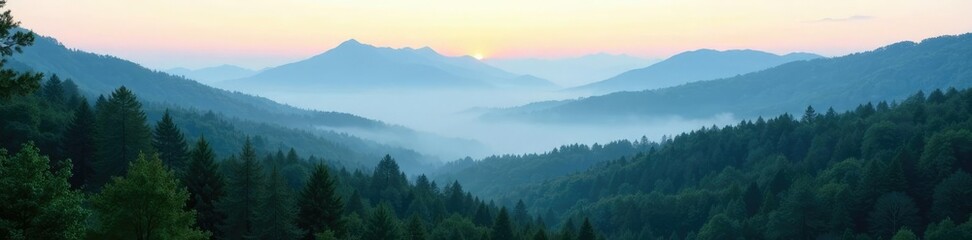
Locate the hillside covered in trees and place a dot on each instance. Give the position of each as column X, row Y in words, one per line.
column 881, row 170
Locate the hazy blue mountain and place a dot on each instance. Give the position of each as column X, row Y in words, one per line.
column 888, row 73
column 101, row 74
column 573, row 71
column 211, row 75
column 356, row 66
column 691, row 66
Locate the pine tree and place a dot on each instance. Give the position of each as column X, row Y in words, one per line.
column 586, row 231
column 277, row 212
column 520, row 214
column 37, row 203
column 147, row 203
column 13, row 83
column 568, row 232
column 53, row 91
column 382, row 224
column 242, row 196
column 205, row 186
column 416, row 229
column 320, row 207
column 170, row 144
column 121, row 134
column 79, row 145
column 502, row 228
column 482, row 217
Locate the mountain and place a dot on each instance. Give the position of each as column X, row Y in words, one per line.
column 885, row 74
column 686, row 67
column 356, row 66
column 101, row 74
column 572, row 71
column 211, row 75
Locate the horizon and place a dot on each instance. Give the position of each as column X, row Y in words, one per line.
column 222, row 32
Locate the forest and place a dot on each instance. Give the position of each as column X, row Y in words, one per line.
column 78, row 170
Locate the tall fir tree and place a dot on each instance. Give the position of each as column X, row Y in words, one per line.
column 206, row 187
column 53, row 91
column 79, row 145
column 382, row 224
column 568, row 231
column 147, row 203
column 37, row 203
column 170, row 144
column 320, row 207
column 277, row 212
column 416, row 229
column 242, row 196
column 121, row 134
column 502, row 228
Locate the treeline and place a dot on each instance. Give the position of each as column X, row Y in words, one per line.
column 112, row 176
column 877, row 172
column 497, row 174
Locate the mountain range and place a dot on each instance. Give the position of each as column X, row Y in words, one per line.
column 100, row 74
column 573, row 71
column 209, row 75
column 356, row 66
column 888, row 73
column 691, row 66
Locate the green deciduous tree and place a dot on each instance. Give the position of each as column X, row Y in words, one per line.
column 37, row 203
column 147, row 203
column 891, row 212
column 13, row 40
column 953, row 197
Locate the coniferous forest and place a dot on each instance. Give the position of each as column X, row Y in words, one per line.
column 78, row 161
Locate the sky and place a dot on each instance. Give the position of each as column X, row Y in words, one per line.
column 256, row 34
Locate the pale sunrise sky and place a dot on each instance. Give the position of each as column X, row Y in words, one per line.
column 255, row 34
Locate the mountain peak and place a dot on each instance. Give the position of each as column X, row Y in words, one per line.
column 351, row 43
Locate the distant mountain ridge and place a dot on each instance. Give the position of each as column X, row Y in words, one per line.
column 691, row 66
column 356, row 66
column 209, row 75
column 886, row 74
column 574, row 71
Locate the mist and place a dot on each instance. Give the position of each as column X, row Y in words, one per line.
column 455, row 114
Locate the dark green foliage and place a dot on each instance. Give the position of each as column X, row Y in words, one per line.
column 319, row 205
column 277, row 212
column 540, row 235
column 719, row 227
column 242, row 196
column 37, row 203
column 416, row 229
column 14, row 39
column 863, row 173
column 502, row 227
column 170, row 144
column 146, row 203
column 78, row 143
column 947, row 230
column 382, row 224
column 206, row 187
column 121, row 134
column 586, row 231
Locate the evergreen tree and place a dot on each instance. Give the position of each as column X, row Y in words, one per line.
column 568, row 231
column 53, row 91
column 37, row 203
column 79, row 145
column 147, row 203
column 502, row 228
column 753, row 199
column 170, row 144
column 205, row 186
column 242, row 196
column 482, row 217
column 540, row 235
column 319, row 205
column 277, row 212
column 416, row 229
column 121, row 134
column 382, row 224
column 13, row 83
column 586, row 231
column 520, row 214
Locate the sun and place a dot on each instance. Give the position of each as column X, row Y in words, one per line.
column 478, row 56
